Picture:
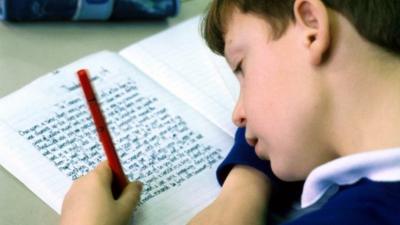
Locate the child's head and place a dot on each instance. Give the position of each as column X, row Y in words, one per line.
column 376, row 20
column 284, row 53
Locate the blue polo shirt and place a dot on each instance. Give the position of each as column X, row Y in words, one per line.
column 362, row 188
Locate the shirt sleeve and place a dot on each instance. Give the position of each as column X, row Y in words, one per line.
column 244, row 154
column 284, row 194
column 241, row 154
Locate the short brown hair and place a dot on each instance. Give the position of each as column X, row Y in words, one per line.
column 378, row 21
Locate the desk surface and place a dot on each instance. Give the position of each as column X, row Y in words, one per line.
column 29, row 50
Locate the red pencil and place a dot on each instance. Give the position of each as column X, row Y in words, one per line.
column 119, row 178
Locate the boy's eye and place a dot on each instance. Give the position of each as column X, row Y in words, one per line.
column 238, row 70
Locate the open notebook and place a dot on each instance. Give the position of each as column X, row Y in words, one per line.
column 167, row 101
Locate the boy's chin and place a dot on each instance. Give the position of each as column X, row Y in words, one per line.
column 288, row 174
column 261, row 153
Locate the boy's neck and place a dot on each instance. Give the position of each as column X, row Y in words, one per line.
column 364, row 82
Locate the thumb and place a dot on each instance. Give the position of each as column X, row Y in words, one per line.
column 130, row 196
column 103, row 171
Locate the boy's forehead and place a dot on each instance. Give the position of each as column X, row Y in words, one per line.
column 232, row 36
column 232, row 23
column 241, row 29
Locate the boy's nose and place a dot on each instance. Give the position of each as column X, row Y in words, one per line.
column 238, row 115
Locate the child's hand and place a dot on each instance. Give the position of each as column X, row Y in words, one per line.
column 242, row 201
column 90, row 201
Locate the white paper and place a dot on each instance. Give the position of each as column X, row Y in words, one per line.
column 47, row 138
column 180, row 61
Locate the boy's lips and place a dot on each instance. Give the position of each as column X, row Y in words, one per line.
column 254, row 142
column 251, row 141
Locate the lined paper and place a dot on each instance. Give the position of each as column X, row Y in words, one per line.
column 48, row 139
column 180, row 54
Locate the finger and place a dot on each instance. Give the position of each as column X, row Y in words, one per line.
column 104, row 172
column 130, row 196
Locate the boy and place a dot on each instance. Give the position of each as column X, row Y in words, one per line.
column 320, row 100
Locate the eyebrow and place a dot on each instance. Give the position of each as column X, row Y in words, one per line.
column 228, row 56
column 235, row 48
column 229, row 59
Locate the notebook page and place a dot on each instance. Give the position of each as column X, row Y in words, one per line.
column 182, row 49
column 226, row 73
column 38, row 175
column 49, row 138
column 179, row 54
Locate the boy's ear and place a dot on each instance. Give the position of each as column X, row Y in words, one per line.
column 312, row 19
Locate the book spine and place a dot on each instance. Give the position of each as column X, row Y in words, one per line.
column 75, row 10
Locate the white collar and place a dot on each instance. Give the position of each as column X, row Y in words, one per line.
column 324, row 181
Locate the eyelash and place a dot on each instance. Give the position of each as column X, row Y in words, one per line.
column 238, row 68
